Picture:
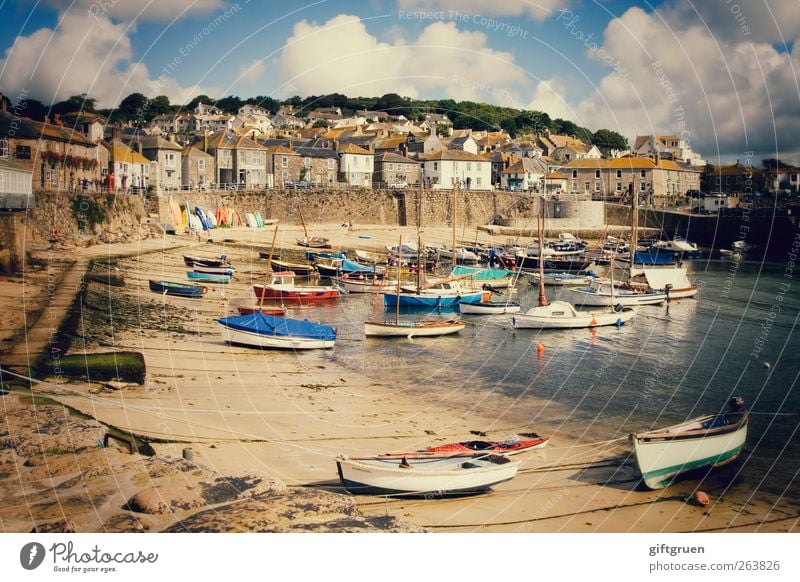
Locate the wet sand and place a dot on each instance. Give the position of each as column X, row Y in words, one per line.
column 286, row 415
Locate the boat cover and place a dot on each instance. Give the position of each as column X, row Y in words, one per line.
column 660, row 278
column 479, row 273
column 279, row 326
column 654, row 258
column 348, row 266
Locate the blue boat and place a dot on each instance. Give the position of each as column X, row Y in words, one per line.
column 313, row 256
column 266, row 331
column 432, row 298
column 177, row 289
column 208, row 277
column 654, row 257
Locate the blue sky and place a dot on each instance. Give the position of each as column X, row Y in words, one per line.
column 725, row 75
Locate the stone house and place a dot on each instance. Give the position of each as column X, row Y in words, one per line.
column 166, row 164
column 197, row 168
column 284, row 164
column 734, row 179
column 320, row 165
column 667, row 147
column 238, row 160
column 579, row 151
column 524, row 175
column 391, row 168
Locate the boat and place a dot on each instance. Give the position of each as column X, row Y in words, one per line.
column 266, row 331
column 340, row 266
column 531, row 263
column 223, row 270
column 434, row 298
column 486, row 278
column 513, row 445
column 314, row 242
column 363, row 284
column 220, row 261
column 679, row 246
column 563, row 279
column 707, row 441
column 603, row 293
column 673, row 280
column 489, row 307
column 282, row 287
column 315, row 256
column 369, row 257
column 299, row 269
column 405, row 251
column 410, row 329
column 463, row 256
column 177, row 289
column 208, row 277
column 250, row 310
column 432, row 477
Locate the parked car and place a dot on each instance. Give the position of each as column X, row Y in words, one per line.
column 398, row 185
column 299, row 185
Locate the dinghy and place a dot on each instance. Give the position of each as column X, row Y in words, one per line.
column 177, row 289
column 265, row 331
column 513, row 445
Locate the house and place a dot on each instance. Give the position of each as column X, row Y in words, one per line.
column 392, row 168
column 650, row 177
column 667, row 147
column 576, row 151
column 549, row 142
column 457, row 169
column 90, row 125
column 325, row 114
column 424, row 145
column 735, row 179
column 166, row 166
column 128, row 169
column 252, row 116
column 238, row 160
column 373, row 115
column 492, row 141
column 283, row 164
column 521, row 149
column 287, row 118
column 205, row 109
column 178, row 123
column 782, row 179
column 394, row 144
column 16, row 186
column 356, row 165
column 463, row 143
column 320, row 165
column 524, row 175
column 713, row 204
column 197, row 168
column 58, row 157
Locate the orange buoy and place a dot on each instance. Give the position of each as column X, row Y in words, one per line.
column 593, row 322
column 540, row 349
column 701, row 498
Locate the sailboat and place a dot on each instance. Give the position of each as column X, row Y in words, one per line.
column 410, row 328
column 314, row 242
column 563, row 315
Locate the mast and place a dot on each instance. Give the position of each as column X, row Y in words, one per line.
column 397, row 305
column 453, row 248
column 302, row 220
column 634, row 224
column 540, row 222
column 269, row 265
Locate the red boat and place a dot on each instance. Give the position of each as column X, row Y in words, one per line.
column 510, row 446
column 282, row 287
column 265, row 310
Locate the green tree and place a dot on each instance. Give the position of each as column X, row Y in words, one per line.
column 32, row 108
column 609, row 140
column 510, row 125
column 199, row 99
column 321, row 123
column 230, row 104
column 134, row 106
column 159, row 105
column 74, row 104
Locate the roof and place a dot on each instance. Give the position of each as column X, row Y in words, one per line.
column 564, row 140
column 736, row 170
column 194, row 151
column 454, row 155
column 642, row 139
column 28, row 129
column 120, row 153
column 325, row 153
column 154, row 142
column 577, row 147
column 280, row 149
column 390, row 143
column 555, row 176
column 228, row 140
column 354, row 149
column 639, row 163
column 522, row 166
column 394, row 158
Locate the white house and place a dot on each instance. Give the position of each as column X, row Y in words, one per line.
column 457, row 169
column 356, row 165
column 252, row 116
column 524, row 175
column 667, row 146
column 465, row 143
column 165, row 167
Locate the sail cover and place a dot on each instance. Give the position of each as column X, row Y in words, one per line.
column 660, row 278
column 279, row 326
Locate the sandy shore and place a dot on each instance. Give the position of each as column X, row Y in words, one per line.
column 286, row 415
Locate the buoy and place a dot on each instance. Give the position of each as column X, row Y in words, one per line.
column 701, row 498
column 767, row 365
column 593, row 322
column 540, row 349
column 619, row 323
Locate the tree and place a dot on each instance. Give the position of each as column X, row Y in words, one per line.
column 199, row 99
column 510, row 125
column 75, row 103
column 32, row 108
column 773, row 164
column 321, row 123
column 231, row 104
column 393, row 103
column 134, row 106
column 563, row 127
column 159, row 105
column 609, row 140
column 534, row 122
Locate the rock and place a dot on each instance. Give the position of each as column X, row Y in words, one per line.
column 57, row 526
column 226, row 489
column 114, row 385
column 165, row 499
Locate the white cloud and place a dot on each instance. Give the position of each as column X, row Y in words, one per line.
column 81, row 55
column 728, row 95
column 137, row 10
column 252, row 71
column 342, row 56
column 535, row 9
column 550, row 97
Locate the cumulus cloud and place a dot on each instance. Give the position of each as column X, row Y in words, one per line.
column 252, row 71
column 727, row 96
column 137, row 10
column 535, row 9
column 340, row 55
column 81, row 55
column 550, row 97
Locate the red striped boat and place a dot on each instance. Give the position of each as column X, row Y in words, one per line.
column 511, row 446
column 282, row 287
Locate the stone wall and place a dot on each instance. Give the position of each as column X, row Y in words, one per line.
column 11, row 241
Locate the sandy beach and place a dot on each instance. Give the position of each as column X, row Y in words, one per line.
column 282, row 417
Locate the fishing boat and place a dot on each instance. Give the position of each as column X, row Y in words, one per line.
column 410, row 329
column 208, row 277
column 299, row 269
column 707, row 441
column 220, row 261
column 265, row 331
column 439, row 476
column 282, row 287
column 513, row 445
column 223, row 270
column 177, row 289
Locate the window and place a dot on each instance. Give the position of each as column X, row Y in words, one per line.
column 619, row 186
column 435, row 166
column 469, row 166
column 643, row 186
column 586, row 186
column 23, row 152
column 285, row 162
column 244, row 157
column 619, row 174
column 391, row 167
column 597, row 186
column 574, row 185
column 201, row 165
column 169, row 160
column 285, row 175
column 727, row 180
column 643, row 173
column 307, row 162
column 719, row 181
column 3, row 148
column 597, row 174
column 574, row 173
column 477, row 181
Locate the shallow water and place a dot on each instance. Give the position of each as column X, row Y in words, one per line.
column 661, row 368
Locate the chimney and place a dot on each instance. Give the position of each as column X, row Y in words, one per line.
column 116, row 133
column 205, row 141
column 139, row 146
column 404, row 149
column 171, row 137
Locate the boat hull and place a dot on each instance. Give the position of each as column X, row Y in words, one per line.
column 208, row 278
column 257, row 340
column 297, row 294
column 575, row 320
column 177, row 289
column 431, row 300
column 411, row 329
column 661, row 461
column 587, row 296
column 389, row 479
column 488, row 308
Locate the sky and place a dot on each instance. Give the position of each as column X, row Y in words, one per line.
column 722, row 74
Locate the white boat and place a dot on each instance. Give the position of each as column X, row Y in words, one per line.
column 489, row 308
column 669, row 277
column 429, row 477
column 677, row 245
column 368, row 257
column 199, row 267
column 404, row 251
column 463, row 256
column 562, row 279
column 707, row 441
column 602, row 295
column 563, row 315
column 410, row 329
column 258, row 330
